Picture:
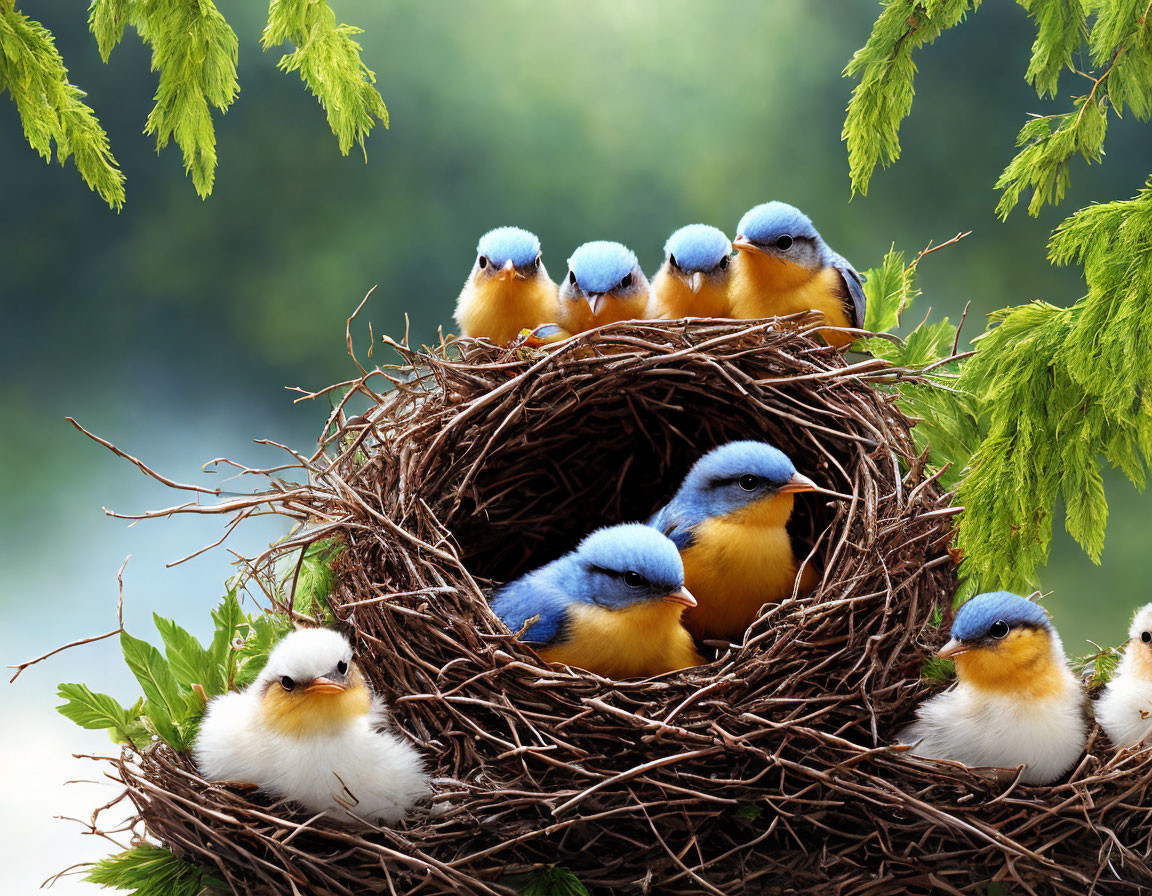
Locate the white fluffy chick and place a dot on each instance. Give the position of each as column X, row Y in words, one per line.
column 1124, row 710
column 308, row 729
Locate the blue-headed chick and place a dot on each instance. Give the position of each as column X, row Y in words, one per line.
column 729, row 519
column 604, row 284
column 509, row 289
column 611, row 606
column 694, row 279
column 783, row 266
column 1015, row 702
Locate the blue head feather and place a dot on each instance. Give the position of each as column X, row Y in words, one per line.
column 697, row 247
column 599, row 266
column 764, row 223
column 593, row 573
column 976, row 616
column 712, row 487
column 505, row 243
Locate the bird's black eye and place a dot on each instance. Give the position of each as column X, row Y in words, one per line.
column 1146, row 637
column 784, row 243
column 672, row 260
column 998, row 629
column 749, row 483
column 634, row 579
column 342, row 667
column 482, row 261
column 572, row 277
column 626, row 282
column 536, row 262
column 724, row 262
column 287, row 683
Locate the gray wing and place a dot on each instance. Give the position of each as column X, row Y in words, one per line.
column 853, row 284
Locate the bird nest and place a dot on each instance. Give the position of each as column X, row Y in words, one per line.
column 767, row 770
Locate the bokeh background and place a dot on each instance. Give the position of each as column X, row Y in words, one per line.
column 173, row 327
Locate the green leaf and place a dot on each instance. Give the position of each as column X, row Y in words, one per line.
column 148, row 870
column 265, row 632
column 889, row 289
column 227, row 617
column 164, row 705
column 317, row 577
column 329, row 62
column 187, row 658
column 99, row 712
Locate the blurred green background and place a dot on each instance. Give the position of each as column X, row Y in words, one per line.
column 173, row 327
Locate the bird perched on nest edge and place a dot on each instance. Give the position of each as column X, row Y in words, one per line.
column 693, row 281
column 604, row 284
column 1015, row 701
column 308, row 729
column 508, row 290
column 611, row 606
column 1124, row 710
column 729, row 520
column 783, row 266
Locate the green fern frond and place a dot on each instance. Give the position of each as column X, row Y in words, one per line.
column 51, row 109
column 329, row 62
column 1061, row 28
column 194, row 50
column 884, row 67
column 147, row 870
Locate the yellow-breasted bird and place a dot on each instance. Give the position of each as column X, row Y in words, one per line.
column 1015, row 702
column 309, row 729
column 783, row 266
column 693, row 281
column 611, row 606
column 729, row 520
column 508, row 290
column 604, row 285
column 1124, row 710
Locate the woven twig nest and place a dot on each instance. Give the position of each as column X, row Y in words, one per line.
column 764, row 771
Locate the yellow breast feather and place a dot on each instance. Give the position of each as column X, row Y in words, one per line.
column 636, row 642
column 500, row 309
column 672, row 299
column 736, row 564
column 576, row 317
column 766, row 286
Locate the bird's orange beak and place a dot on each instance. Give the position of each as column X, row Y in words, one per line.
column 325, row 686
column 744, row 244
column 683, row 597
column 595, row 301
column 508, row 272
column 953, row 648
column 798, row 483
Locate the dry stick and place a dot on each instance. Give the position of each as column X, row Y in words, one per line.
column 119, row 628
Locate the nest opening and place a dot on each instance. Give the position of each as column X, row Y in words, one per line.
column 615, row 462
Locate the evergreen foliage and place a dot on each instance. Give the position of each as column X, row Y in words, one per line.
column 147, row 870
column 329, row 62
column 194, row 52
column 51, row 108
column 1049, row 391
column 554, row 881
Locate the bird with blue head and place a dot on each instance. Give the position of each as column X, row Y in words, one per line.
column 729, row 519
column 1016, row 701
column 693, row 281
column 604, row 284
column 611, row 606
column 783, row 266
column 508, row 290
